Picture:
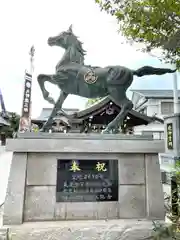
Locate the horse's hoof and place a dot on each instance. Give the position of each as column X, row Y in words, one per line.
column 115, row 131
column 105, row 131
column 44, row 129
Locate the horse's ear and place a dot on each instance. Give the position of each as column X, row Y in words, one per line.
column 70, row 29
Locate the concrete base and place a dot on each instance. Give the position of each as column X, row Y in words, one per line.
column 31, row 194
column 84, row 230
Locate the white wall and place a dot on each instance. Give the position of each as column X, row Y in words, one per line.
column 152, row 127
column 5, row 163
column 153, row 108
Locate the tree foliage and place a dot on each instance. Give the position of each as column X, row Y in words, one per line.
column 172, row 229
column 92, row 101
column 13, row 119
column 155, row 23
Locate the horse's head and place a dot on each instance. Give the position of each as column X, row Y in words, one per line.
column 68, row 40
column 64, row 39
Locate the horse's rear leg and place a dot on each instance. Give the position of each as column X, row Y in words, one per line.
column 126, row 105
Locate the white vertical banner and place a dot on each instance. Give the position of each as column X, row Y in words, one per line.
column 25, row 120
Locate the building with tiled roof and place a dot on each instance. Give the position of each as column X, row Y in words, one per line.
column 153, row 102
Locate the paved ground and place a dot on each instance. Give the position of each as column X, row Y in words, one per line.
column 81, row 223
column 83, row 230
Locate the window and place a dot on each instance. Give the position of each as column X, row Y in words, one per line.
column 167, row 108
column 158, row 135
column 162, row 135
column 87, row 181
column 155, row 135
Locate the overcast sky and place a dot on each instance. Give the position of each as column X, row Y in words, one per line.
column 27, row 22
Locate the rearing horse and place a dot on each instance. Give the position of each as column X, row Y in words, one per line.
column 74, row 77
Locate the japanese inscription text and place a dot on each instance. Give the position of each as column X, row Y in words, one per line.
column 170, row 136
column 85, row 181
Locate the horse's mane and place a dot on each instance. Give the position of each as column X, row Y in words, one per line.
column 77, row 45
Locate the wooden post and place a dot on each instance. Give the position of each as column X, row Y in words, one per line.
column 3, row 139
column 174, row 196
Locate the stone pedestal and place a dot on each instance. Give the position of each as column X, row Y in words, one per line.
column 31, row 193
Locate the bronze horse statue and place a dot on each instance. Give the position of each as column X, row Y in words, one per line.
column 72, row 76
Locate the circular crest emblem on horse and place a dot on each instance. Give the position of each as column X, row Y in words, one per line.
column 90, row 77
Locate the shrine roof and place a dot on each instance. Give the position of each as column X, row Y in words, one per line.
column 45, row 113
column 97, row 108
column 94, row 109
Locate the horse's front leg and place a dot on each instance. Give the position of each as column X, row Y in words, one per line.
column 57, row 107
column 42, row 78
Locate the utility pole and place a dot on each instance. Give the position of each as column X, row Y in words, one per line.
column 175, row 93
column 31, row 70
column 174, row 186
column 31, row 53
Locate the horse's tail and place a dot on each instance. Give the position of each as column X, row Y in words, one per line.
column 147, row 70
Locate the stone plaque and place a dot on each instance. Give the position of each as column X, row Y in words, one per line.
column 170, row 136
column 87, row 181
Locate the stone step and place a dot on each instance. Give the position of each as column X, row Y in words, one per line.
column 83, row 230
